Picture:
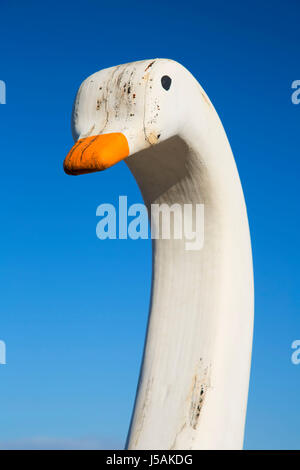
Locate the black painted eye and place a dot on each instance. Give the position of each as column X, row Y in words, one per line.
column 166, row 82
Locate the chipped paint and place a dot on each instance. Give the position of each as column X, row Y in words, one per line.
column 152, row 139
column 200, row 385
column 150, row 65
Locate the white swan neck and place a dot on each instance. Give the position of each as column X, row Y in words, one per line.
column 194, row 380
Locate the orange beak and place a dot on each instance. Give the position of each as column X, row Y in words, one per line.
column 96, row 153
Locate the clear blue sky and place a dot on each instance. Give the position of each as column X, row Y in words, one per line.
column 74, row 308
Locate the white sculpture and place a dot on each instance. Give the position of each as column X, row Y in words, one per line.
column 193, row 386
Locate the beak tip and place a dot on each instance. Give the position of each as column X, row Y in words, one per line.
column 67, row 170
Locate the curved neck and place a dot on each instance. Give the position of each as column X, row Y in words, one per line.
column 193, row 385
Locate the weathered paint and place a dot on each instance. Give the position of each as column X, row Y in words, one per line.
column 193, row 386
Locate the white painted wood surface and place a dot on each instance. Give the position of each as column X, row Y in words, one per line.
column 193, row 387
